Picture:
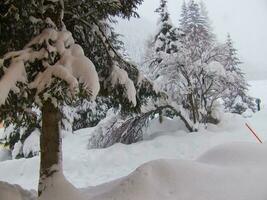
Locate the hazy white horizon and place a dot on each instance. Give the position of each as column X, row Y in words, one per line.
column 245, row 20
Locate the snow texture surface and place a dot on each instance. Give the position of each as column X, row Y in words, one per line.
column 226, row 172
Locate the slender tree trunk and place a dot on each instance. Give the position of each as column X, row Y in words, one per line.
column 191, row 101
column 50, row 144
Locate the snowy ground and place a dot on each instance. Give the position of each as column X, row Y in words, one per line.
column 85, row 168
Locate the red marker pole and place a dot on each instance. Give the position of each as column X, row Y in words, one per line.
column 253, row 133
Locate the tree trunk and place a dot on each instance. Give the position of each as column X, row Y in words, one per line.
column 50, row 139
column 192, row 107
column 50, row 144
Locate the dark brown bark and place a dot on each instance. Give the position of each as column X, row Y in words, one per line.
column 50, row 139
column 50, row 143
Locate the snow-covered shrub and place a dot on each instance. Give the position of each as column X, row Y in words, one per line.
column 102, row 135
column 116, row 129
column 113, row 129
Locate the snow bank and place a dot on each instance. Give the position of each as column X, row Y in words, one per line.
column 15, row 192
column 232, row 171
column 236, row 155
column 206, row 179
column 58, row 188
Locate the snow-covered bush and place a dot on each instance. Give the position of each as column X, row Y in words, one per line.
column 114, row 129
column 103, row 133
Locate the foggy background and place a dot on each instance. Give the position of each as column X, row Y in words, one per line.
column 245, row 20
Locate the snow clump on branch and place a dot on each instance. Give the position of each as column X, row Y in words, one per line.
column 73, row 66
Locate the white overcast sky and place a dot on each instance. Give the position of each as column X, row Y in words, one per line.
column 245, row 20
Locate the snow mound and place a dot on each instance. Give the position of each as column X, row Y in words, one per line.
column 235, row 171
column 15, row 192
column 205, row 179
column 60, row 189
column 236, row 154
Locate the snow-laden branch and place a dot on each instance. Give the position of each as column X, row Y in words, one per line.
column 117, row 62
column 15, row 73
column 119, row 76
column 73, row 66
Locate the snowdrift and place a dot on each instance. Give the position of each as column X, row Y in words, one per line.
column 15, row 192
column 234, row 171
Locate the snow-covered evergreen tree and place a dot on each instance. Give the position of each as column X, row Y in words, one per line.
column 162, row 46
column 50, row 70
column 205, row 15
column 196, row 27
column 85, row 113
column 184, row 16
column 236, row 100
column 166, row 35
